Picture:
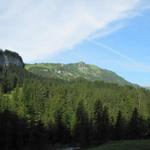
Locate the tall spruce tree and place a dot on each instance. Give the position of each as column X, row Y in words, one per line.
column 81, row 127
column 120, row 129
column 97, row 122
column 136, row 126
column 62, row 132
column 105, row 125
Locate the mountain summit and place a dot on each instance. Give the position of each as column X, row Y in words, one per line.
column 76, row 70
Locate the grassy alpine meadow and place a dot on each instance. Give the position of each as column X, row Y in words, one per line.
column 125, row 145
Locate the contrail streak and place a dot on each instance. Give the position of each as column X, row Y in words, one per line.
column 140, row 66
column 112, row 50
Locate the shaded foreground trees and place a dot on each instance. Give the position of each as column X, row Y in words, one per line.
column 17, row 133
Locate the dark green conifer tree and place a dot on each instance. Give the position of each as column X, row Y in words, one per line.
column 81, row 127
column 106, row 132
column 120, row 129
column 97, row 122
column 136, row 126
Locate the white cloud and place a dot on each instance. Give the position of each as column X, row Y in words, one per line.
column 37, row 28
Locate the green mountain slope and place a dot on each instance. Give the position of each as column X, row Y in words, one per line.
column 74, row 71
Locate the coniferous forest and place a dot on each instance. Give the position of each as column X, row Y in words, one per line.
column 74, row 74
column 38, row 113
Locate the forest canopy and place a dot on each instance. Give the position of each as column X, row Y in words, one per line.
column 80, row 112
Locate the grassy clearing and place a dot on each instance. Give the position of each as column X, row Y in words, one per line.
column 125, row 145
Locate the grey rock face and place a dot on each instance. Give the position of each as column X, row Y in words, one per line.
column 8, row 58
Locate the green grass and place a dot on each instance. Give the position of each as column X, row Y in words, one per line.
column 125, row 145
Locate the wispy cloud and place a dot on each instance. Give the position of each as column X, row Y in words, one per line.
column 38, row 28
column 107, row 47
column 127, row 63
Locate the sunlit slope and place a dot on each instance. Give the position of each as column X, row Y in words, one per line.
column 76, row 70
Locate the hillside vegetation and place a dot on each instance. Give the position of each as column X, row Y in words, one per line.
column 148, row 88
column 65, row 95
column 74, row 71
column 77, row 112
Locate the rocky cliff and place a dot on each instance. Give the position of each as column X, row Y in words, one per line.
column 9, row 58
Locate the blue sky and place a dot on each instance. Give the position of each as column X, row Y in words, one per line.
column 111, row 34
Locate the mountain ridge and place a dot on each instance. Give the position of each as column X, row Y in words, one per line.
column 76, row 70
